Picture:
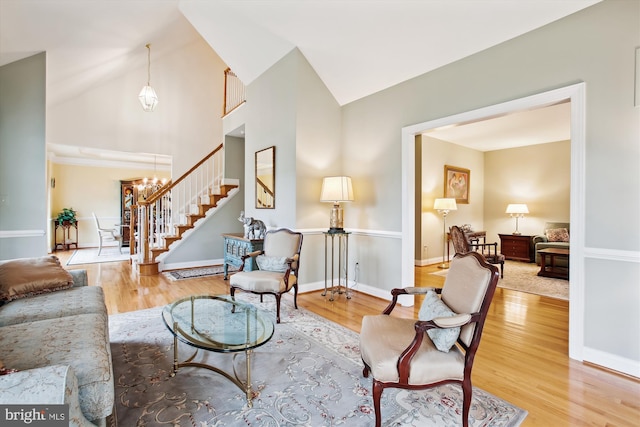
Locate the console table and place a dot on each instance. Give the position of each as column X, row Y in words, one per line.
column 331, row 282
column 517, row 247
column 235, row 247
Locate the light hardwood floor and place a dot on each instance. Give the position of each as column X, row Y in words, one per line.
column 522, row 357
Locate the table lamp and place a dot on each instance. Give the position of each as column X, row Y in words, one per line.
column 336, row 189
column 517, row 211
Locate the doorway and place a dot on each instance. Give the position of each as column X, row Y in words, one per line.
column 575, row 94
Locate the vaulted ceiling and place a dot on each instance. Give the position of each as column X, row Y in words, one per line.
column 357, row 47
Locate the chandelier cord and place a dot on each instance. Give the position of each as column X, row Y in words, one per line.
column 148, row 64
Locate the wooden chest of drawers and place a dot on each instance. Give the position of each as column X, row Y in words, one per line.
column 516, row 247
column 235, row 247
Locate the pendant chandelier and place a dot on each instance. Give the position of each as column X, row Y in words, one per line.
column 148, row 97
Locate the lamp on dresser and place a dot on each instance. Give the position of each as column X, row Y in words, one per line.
column 517, row 210
column 444, row 206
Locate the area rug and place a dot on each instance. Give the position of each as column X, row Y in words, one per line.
column 193, row 273
column 308, row 374
column 90, row 255
column 523, row 277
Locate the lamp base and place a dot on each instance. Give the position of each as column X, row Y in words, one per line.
column 516, row 233
column 443, row 266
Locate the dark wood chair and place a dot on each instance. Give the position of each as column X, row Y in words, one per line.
column 278, row 264
column 489, row 251
column 398, row 352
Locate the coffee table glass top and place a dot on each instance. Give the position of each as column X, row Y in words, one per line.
column 218, row 323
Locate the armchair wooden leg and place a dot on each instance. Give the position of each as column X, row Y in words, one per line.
column 278, row 297
column 466, row 402
column 377, row 395
column 295, row 296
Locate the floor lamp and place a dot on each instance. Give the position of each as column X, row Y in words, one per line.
column 444, row 206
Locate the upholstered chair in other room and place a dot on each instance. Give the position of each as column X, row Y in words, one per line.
column 107, row 235
column 488, row 250
column 440, row 346
column 278, row 265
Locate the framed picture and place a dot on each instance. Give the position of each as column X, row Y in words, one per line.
column 457, row 183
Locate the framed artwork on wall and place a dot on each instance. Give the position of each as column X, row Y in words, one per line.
column 457, row 183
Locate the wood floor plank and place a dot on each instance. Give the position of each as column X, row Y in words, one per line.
column 522, row 357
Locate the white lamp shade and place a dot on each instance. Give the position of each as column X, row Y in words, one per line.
column 517, row 209
column 148, row 98
column 445, row 204
column 336, row 189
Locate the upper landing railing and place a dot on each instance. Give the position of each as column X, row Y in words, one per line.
column 234, row 94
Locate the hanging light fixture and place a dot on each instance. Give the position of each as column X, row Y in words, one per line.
column 148, row 97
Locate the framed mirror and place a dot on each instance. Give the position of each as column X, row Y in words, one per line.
column 266, row 178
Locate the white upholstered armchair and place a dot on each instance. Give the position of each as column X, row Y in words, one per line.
column 440, row 346
column 278, row 265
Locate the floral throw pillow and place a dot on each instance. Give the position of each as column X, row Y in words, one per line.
column 557, row 234
column 272, row 263
column 433, row 307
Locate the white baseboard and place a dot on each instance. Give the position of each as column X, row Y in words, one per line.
column 365, row 289
column 612, row 361
column 428, row 261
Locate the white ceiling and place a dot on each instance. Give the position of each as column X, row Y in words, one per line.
column 539, row 126
column 357, row 47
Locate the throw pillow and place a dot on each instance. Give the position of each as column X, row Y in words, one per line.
column 25, row 277
column 272, row 263
column 433, row 307
column 557, row 234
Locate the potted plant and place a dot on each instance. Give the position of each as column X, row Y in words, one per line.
column 66, row 216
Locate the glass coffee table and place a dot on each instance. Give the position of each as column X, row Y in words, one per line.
column 219, row 324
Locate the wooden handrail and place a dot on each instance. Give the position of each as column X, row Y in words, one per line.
column 166, row 188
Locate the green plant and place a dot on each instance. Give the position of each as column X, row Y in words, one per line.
column 67, row 215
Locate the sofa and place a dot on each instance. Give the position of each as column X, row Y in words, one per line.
column 556, row 235
column 54, row 341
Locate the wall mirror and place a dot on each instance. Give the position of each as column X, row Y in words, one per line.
column 266, row 178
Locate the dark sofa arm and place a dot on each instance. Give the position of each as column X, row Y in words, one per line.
column 539, row 239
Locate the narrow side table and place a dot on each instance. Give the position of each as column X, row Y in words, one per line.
column 339, row 284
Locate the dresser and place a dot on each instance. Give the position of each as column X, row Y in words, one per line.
column 235, row 247
column 517, row 247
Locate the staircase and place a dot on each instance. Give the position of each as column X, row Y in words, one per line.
column 173, row 209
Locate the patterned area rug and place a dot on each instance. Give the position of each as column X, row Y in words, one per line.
column 193, row 273
column 90, row 255
column 308, row 374
column 523, row 277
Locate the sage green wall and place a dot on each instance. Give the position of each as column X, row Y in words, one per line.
column 596, row 46
column 291, row 108
column 271, row 121
column 23, row 192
